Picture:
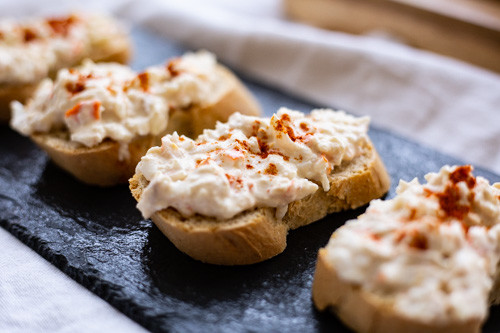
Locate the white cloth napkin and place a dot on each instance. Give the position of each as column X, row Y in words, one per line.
column 37, row 297
column 448, row 105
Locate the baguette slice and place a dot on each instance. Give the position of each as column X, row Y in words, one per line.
column 109, row 44
column 101, row 165
column 364, row 310
column 256, row 235
column 97, row 165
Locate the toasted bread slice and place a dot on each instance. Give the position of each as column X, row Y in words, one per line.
column 102, row 165
column 97, row 165
column 9, row 93
column 108, row 42
column 450, row 287
column 256, row 235
column 365, row 312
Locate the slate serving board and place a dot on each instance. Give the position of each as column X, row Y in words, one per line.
column 98, row 238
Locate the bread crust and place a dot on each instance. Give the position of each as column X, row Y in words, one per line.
column 495, row 291
column 101, row 165
column 366, row 312
column 256, row 235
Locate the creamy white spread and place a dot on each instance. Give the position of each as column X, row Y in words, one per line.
column 31, row 50
column 432, row 250
column 98, row 101
column 250, row 162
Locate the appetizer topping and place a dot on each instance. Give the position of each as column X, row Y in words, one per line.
column 33, row 49
column 144, row 80
column 432, row 250
column 98, row 101
column 172, row 67
column 62, row 26
column 93, row 108
column 29, row 35
column 450, row 199
column 250, row 162
column 75, row 87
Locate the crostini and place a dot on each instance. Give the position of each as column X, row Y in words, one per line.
column 33, row 49
column 424, row 261
column 230, row 196
column 96, row 121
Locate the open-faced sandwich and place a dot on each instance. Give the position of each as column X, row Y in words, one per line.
column 34, row 49
column 97, row 120
column 230, row 196
column 425, row 261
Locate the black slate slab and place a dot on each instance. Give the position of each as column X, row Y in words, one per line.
column 98, row 238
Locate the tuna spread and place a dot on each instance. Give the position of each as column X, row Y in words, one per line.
column 31, row 50
column 432, row 250
column 98, row 101
column 250, row 162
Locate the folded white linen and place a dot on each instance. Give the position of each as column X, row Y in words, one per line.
column 37, row 297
